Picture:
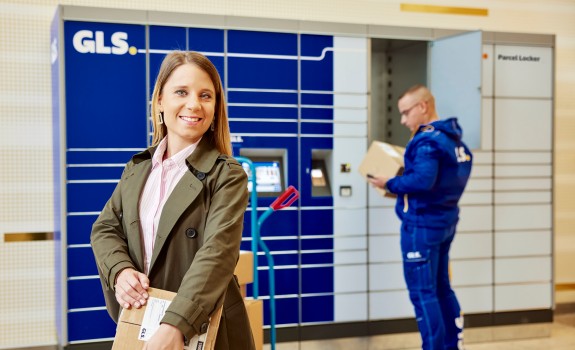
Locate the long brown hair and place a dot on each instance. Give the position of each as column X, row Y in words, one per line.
column 220, row 136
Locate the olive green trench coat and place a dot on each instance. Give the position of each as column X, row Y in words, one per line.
column 196, row 248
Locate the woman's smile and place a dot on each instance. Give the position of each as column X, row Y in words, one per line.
column 188, row 101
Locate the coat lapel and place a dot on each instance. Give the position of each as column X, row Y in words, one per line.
column 135, row 180
column 185, row 192
column 201, row 161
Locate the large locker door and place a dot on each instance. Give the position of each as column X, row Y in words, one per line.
column 105, row 124
column 455, row 81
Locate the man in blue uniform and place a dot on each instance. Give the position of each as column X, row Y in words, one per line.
column 437, row 167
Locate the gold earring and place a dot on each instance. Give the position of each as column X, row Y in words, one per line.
column 160, row 118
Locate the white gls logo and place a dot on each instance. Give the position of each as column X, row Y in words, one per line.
column 461, row 155
column 87, row 41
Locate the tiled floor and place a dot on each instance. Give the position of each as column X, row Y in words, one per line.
column 559, row 335
column 562, row 337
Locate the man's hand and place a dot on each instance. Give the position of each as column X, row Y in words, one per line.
column 167, row 337
column 378, row 181
column 131, row 288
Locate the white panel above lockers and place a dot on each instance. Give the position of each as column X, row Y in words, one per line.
column 345, row 151
column 350, row 130
column 523, row 243
column 349, row 222
column 376, row 199
column 523, row 71
column 476, row 219
column 349, row 257
column 351, row 101
column 487, row 124
column 471, row 272
column 522, row 184
column 506, row 171
column 523, row 217
column 386, row 277
column 523, row 296
column 352, row 115
column 350, row 65
column 351, row 278
column 475, row 299
column 530, row 197
column 350, row 243
column 467, row 245
column 532, row 157
column 482, row 157
column 487, row 71
column 384, row 248
column 472, row 198
column 383, row 221
column 390, row 305
column 521, row 270
column 350, row 307
column 481, row 171
column 523, row 125
column 479, row 185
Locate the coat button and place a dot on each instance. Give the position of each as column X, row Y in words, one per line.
column 191, row 233
column 201, row 176
column 204, row 328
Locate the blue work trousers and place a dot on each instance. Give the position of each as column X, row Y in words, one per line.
column 426, row 271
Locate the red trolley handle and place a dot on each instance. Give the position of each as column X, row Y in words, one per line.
column 285, row 199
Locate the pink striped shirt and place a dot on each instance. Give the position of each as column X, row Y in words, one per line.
column 163, row 178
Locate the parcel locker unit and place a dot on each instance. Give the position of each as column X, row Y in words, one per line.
column 304, row 100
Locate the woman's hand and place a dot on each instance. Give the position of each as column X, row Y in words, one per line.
column 167, row 337
column 131, row 288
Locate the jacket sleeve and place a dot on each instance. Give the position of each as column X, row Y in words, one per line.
column 109, row 242
column 204, row 284
column 423, row 174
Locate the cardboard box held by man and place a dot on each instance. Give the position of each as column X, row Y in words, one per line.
column 382, row 159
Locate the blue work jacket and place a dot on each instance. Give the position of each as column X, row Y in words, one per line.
column 437, row 168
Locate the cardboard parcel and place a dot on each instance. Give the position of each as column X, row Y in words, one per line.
column 382, row 159
column 138, row 325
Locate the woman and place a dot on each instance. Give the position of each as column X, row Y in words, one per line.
column 175, row 219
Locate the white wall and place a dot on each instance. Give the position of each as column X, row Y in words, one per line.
column 25, row 109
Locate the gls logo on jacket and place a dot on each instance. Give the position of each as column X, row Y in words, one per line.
column 87, row 41
column 461, row 156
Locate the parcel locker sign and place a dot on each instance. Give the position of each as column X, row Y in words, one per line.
column 523, row 71
column 105, row 85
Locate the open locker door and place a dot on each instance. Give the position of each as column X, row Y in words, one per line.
column 455, row 81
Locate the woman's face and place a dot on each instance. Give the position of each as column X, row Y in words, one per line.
column 188, row 101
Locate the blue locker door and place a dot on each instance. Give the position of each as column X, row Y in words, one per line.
column 105, row 75
column 262, row 60
column 280, row 232
column 262, row 87
column 210, row 42
column 316, row 127
column 105, row 85
column 162, row 41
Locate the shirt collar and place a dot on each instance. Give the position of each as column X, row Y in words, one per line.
column 179, row 158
